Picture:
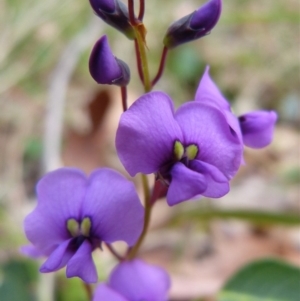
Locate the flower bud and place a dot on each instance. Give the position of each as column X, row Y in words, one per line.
column 105, row 68
column 114, row 13
column 257, row 128
column 195, row 25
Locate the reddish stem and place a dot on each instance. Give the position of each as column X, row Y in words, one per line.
column 132, row 18
column 142, row 10
column 124, row 97
column 114, row 252
column 161, row 67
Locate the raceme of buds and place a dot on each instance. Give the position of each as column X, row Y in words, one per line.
column 135, row 280
column 105, row 68
column 114, row 13
column 195, row 25
column 75, row 214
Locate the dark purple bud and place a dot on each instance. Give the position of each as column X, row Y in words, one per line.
column 114, row 13
column 105, row 68
column 195, row 25
column 257, row 128
column 107, row 6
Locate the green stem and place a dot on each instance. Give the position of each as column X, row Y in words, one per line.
column 141, row 45
column 89, row 290
column 133, row 251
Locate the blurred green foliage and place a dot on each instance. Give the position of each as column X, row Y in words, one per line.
column 263, row 280
column 18, row 279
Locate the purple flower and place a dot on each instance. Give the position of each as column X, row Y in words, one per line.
column 75, row 214
column 114, row 13
column 105, row 68
column 254, row 129
column 193, row 151
column 195, row 25
column 135, row 281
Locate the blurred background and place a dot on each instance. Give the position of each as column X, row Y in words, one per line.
column 53, row 114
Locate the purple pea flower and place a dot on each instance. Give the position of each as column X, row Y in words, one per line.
column 75, row 214
column 105, row 68
column 193, row 150
column 135, row 281
column 195, row 25
column 254, row 129
column 114, row 13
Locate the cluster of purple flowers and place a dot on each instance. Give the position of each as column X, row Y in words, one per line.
column 194, row 150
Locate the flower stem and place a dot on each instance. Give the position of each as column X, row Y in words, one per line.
column 114, row 252
column 161, row 67
column 142, row 10
column 139, row 63
column 133, row 251
column 140, row 33
column 132, row 18
column 89, row 290
column 124, row 97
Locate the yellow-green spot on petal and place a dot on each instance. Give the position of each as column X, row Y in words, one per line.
column 73, row 227
column 191, row 151
column 85, row 226
column 178, row 150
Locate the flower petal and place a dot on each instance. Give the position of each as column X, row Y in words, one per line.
column 208, row 93
column 60, row 194
column 58, row 258
column 31, row 251
column 257, row 128
column 217, row 183
column 114, row 207
column 185, row 184
column 81, row 264
column 207, row 127
column 137, row 280
column 104, row 293
column 146, row 134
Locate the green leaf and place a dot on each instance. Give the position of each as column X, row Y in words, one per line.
column 263, row 280
column 261, row 218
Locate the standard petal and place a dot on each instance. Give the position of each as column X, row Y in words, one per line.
column 207, row 127
column 137, row 280
column 185, row 184
column 208, row 93
column 114, row 207
column 82, row 265
column 60, row 194
column 146, row 134
column 58, row 258
column 257, row 128
column 217, row 183
column 104, row 293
